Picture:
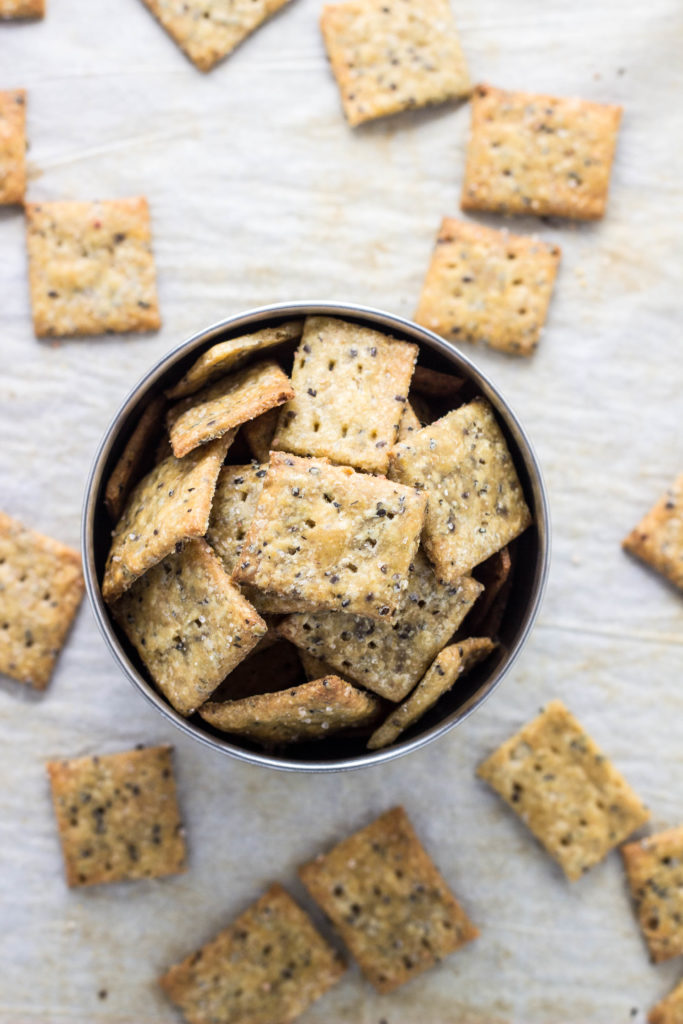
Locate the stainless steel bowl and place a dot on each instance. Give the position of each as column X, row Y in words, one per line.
column 529, row 580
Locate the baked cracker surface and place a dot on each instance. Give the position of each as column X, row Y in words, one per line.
column 658, row 538
column 654, row 867
column 133, row 457
column 670, row 1009
column 10, row 9
column 234, row 503
column 259, row 434
column 12, row 145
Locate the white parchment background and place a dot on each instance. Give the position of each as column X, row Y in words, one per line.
column 259, row 192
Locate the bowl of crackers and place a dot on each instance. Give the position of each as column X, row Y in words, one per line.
column 315, row 536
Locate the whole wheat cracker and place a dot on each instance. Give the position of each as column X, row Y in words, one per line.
column 234, row 503
column 41, row 587
column 670, row 1009
column 259, row 434
column 133, row 458
column 409, row 422
column 12, row 145
column 658, row 538
column 117, row 816
column 315, row 668
column 10, row 9
column 654, row 867
column 350, row 384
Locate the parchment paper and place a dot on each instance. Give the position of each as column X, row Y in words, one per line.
column 259, row 192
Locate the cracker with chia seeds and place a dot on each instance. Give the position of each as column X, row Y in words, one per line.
column 311, row 711
column 12, row 146
column 234, row 503
column 41, row 587
column 448, row 666
column 133, row 458
column 91, row 269
column 535, row 154
column 658, row 538
column 117, row 816
column 225, row 405
column 654, row 867
column 331, row 538
column 169, row 505
column 475, row 502
column 390, row 904
column 259, row 434
column 565, row 790
column 274, row 664
column 488, row 286
column 388, row 58
column 189, row 623
column 388, row 658
column 208, row 30
column 409, row 422
column 315, row 668
column 670, row 1009
column 267, row 967
column 10, row 9
column 351, row 384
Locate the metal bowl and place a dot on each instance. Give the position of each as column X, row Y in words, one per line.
column 533, row 548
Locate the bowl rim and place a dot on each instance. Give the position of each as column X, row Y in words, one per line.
column 381, row 320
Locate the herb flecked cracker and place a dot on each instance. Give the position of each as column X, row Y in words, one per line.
column 558, row 781
column 91, row 269
column 383, row 893
column 171, row 504
column 41, row 587
column 538, row 154
column 388, row 657
column 133, row 458
column 234, row 503
column 475, row 501
column 448, row 666
column 311, row 711
column 208, row 30
column 658, row 538
column 10, row 9
column 189, row 624
column 259, row 434
column 118, row 816
column 488, row 286
column 350, row 385
column 655, row 874
column 670, row 1009
column 331, row 538
column 387, row 58
column 12, row 145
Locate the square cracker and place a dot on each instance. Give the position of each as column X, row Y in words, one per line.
column 385, row 896
column 265, row 968
column 565, row 790
column 234, row 503
column 189, row 624
column 392, row 57
column 12, row 146
column 488, row 286
column 118, row 816
column 658, row 538
column 225, row 405
column 388, row 657
column 259, row 434
column 350, row 385
column 91, row 269
column 21, row 9
column 331, row 538
column 41, row 586
column 169, row 505
column 655, row 874
column 135, row 455
column 538, row 154
column 475, row 503
column 670, row 1009
column 449, row 665
column 311, row 711
column 208, row 30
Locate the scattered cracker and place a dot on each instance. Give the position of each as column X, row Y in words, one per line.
column 452, row 663
column 189, row 624
column 390, row 58
column 12, row 145
column 496, row 576
column 655, row 873
column 41, row 586
column 350, row 384
column 234, row 503
column 225, row 405
column 274, row 664
column 658, row 538
column 388, row 657
column 538, row 154
column 91, row 269
column 208, row 30
column 331, row 538
column 388, row 901
column 133, row 458
column 488, row 286
column 10, row 9
column 557, row 780
column 259, row 434
column 475, row 500
column 266, row 968
column 312, row 711
column 118, row 816
column 436, row 384
column 171, row 504
column 670, row 1009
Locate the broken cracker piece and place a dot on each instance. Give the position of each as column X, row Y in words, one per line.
column 384, row 895
column 12, row 144
column 234, row 503
column 133, row 458
column 259, row 434
column 496, row 576
column 558, row 781
column 654, row 867
column 658, row 538
column 409, row 422
column 670, row 1009
column 118, row 816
